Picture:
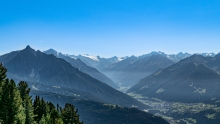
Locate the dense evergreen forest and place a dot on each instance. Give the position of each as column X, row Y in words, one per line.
column 17, row 106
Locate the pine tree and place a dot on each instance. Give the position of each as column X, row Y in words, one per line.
column 36, row 106
column 2, row 82
column 27, row 102
column 45, row 119
column 53, row 112
column 2, row 73
column 55, row 117
column 4, row 100
column 46, row 113
column 2, row 78
column 11, row 110
column 39, row 108
column 43, row 107
column 69, row 115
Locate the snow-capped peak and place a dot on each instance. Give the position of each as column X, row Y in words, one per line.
column 120, row 58
column 91, row 57
column 73, row 58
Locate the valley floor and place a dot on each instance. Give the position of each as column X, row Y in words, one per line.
column 181, row 113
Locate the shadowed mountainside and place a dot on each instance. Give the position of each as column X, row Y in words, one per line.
column 99, row 113
column 189, row 80
column 77, row 63
column 34, row 66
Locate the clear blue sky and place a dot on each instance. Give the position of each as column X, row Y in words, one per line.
column 111, row 27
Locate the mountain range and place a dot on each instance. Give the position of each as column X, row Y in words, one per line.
column 39, row 68
column 129, row 71
column 96, row 61
column 77, row 63
column 193, row 79
column 88, row 81
column 102, row 63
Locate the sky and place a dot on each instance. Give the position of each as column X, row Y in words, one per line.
column 110, row 27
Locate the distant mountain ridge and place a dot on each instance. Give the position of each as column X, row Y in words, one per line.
column 101, row 63
column 118, row 67
column 211, row 62
column 135, row 69
column 77, row 63
column 193, row 79
column 176, row 57
column 119, row 72
column 96, row 61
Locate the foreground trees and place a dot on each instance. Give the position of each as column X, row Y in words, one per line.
column 11, row 110
column 17, row 107
column 69, row 114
